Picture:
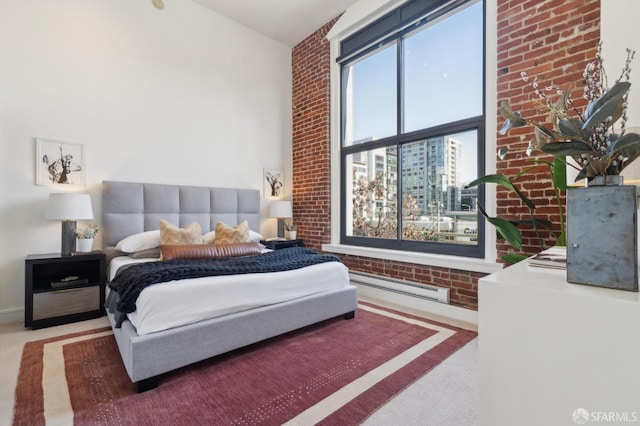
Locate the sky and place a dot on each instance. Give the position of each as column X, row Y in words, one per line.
column 443, row 82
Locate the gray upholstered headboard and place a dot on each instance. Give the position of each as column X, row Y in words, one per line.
column 129, row 208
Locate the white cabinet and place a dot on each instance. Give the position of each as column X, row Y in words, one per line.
column 548, row 348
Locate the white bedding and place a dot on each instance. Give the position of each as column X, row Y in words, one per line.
column 172, row 304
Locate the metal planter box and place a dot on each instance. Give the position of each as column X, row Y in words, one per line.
column 602, row 241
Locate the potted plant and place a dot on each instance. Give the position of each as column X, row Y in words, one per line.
column 292, row 229
column 601, row 217
column 85, row 237
column 588, row 137
column 508, row 229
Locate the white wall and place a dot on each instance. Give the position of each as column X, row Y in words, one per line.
column 619, row 31
column 182, row 96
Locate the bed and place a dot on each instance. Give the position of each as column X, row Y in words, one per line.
column 133, row 208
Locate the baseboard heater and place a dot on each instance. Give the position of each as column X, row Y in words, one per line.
column 436, row 294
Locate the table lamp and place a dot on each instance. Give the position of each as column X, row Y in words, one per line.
column 280, row 210
column 69, row 207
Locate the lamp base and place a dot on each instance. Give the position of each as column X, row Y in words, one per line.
column 280, row 228
column 68, row 237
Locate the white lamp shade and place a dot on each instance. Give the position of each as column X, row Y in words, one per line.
column 280, row 209
column 69, row 206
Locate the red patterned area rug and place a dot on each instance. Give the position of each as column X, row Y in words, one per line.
column 335, row 373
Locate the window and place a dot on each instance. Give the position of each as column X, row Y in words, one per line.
column 412, row 131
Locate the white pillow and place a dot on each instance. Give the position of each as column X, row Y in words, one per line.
column 255, row 236
column 139, row 242
column 210, row 237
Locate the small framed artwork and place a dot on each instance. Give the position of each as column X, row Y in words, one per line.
column 59, row 162
column 273, row 183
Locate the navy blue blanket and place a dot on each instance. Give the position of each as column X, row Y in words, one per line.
column 130, row 281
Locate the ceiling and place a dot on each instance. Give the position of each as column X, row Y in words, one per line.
column 288, row 21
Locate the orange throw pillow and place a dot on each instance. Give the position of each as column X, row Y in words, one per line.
column 208, row 251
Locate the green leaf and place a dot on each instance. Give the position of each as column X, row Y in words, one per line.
column 506, row 110
column 552, row 134
column 559, row 174
column 545, row 223
column 506, row 127
column 619, row 88
column 494, row 178
column 563, row 149
column 605, row 111
column 629, row 140
column 513, row 118
column 504, row 181
column 506, row 229
column 618, row 112
column 609, row 104
column 513, row 258
column 561, row 240
column 539, row 139
column 571, row 127
column 502, row 153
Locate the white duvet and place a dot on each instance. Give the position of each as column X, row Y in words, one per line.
column 175, row 303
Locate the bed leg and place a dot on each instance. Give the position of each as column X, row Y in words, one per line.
column 146, row 384
column 350, row 315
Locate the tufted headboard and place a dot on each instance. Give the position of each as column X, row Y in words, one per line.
column 129, row 208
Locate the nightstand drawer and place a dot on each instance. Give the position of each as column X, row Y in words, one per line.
column 65, row 302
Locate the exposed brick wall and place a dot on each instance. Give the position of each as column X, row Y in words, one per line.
column 462, row 285
column 311, row 143
column 551, row 38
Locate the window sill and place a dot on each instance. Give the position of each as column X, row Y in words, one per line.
column 452, row 262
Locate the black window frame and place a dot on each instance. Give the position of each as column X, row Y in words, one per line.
column 393, row 28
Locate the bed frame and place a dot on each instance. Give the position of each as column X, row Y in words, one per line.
column 130, row 208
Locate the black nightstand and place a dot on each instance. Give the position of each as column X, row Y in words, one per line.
column 280, row 244
column 62, row 289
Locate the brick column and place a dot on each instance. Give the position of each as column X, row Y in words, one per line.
column 312, row 138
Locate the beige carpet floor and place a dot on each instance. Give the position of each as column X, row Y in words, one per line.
column 447, row 395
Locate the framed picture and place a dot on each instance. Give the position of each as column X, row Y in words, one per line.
column 59, row 162
column 273, row 183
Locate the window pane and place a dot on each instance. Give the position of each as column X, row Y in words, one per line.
column 444, row 71
column 372, row 194
column 370, row 97
column 403, row 193
column 435, row 207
